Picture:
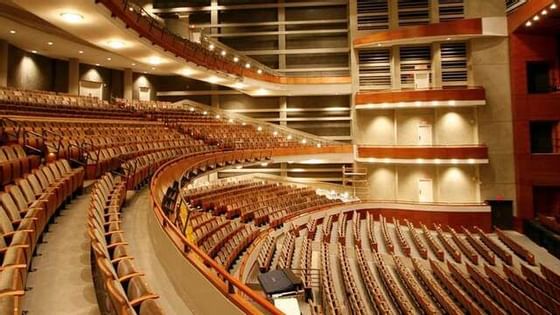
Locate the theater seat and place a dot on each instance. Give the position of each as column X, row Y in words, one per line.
column 11, row 292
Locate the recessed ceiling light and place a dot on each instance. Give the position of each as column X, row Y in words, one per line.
column 379, row 45
column 12, row 32
column 529, row 23
column 235, row 59
column 553, row 6
column 97, row 64
column 145, row 72
column 259, row 71
column 448, row 38
column 71, row 17
column 108, row 58
column 80, row 52
column 211, row 47
column 50, row 43
column 133, row 64
column 536, row 18
column 247, row 65
column 34, row 51
column 116, row 44
column 224, row 53
column 154, row 60
column 544, row 12
column 130, row 9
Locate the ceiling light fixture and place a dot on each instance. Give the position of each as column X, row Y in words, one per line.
column 211, row 47
column 235, row 59
column 71, row 17
column 553, row 6
column 80, row 52
column 448, row 38
column 224, row 53
column 247, row 65
column 34, row 51
column 116, row 44
column 529, row 23
column 259, row 71
column 544, row 12
column 50, row 43
column 536, row 18
column 12, row 32
column 97, row 64
column 154, row 60
column 108, row 58
column 133, row 64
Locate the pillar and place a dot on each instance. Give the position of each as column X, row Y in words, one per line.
column 3, row 63
column 127, row 84
column 393, row 14
column 436, row 66
column 396, row 67
column 281, row 35
column 73, row 76
column 434, row 11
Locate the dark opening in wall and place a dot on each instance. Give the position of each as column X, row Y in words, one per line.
column 538, row 77
column 544, row 136
column 546, row 200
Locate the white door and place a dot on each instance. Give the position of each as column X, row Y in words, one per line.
column 425, row 190
column 424, row 134
column 91, row 89
column 144, row 94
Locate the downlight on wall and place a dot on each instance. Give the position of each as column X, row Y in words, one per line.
column 543, row 13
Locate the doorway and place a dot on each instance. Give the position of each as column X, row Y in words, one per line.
column 425, row 190
column 425, row 134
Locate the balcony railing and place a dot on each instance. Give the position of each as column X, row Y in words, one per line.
column 435, row 154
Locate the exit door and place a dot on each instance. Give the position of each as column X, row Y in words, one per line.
column 425, row 190
column 424, row 134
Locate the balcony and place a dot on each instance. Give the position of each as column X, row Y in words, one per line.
column 437, row 97
column 435, row 32
column 462, row 154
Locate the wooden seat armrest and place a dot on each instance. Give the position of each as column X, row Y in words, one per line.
column 5, row 293
column 116, row 260
column 143, row 298
column 131, row 275
column 117, row 244
column 112, row 232
column 15, row 266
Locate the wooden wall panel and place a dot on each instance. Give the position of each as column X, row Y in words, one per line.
column 457, row 94
column 471, row 152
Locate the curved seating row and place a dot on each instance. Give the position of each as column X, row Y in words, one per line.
column 124, row 288
column 26, row 208
column 14, row 163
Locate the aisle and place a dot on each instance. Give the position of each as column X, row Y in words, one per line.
column 141, row 247
column 62, row 283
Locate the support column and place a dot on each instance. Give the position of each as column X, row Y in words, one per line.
column 3, row 63
column 214, row 16
column 281, row 35
column 393, row 14
column 283, row 115
column 434, row 11
column 128, row 84
column 74, row 76
column 396, row 67
column 436, row 65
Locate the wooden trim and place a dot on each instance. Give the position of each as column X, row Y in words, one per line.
column 433, row 152
column 525, row 12
column 451, row 28
column 197, row 54
column 457, row 94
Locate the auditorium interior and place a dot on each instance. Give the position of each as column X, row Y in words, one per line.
column 279, row 157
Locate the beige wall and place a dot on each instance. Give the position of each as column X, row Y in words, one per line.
column 451, row 183
column 375, row 127
column 408, row 121
column 455, row 126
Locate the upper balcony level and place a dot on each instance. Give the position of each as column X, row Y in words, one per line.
column 464, row 29
column 424, row 98
column 119, row 27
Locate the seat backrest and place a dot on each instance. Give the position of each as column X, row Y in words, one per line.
column 34, row 183
column 5, row 222
column 18, row 149
column 118, row 298
column 17, row 196
column 151, row 307
column 27, row 190
column 10, row 153
column 42, row 179
column 10, row 206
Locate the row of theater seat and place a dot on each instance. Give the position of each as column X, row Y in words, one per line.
column 286, row 255
column 418, row 293
column 26, row 208
column 357, row 304
column 14, row 163
column 124, row 288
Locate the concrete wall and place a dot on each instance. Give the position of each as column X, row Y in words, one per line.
column 35, row 72
column 408, row 122
column 451, row 183
column 455, row 126
column 375, row 127
column 113, row 80
column 143, row 80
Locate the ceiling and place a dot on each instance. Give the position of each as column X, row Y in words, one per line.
column 38, row 22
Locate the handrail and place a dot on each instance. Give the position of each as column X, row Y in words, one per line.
column 187, row 247
column 299, row 135
column 207, row 57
